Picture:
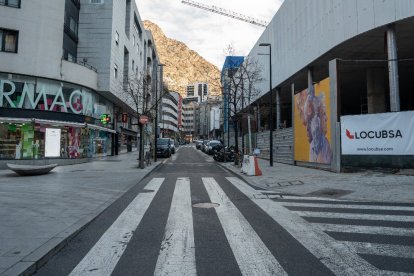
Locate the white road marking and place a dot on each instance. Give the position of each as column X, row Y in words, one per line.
column 335, row 255
column 355, row 216
column 177, row 254
column 252, row 255
column 105, row 254
column 382, row 249
column 348, row 206
column 361, row 229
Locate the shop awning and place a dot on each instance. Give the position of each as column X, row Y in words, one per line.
column 128, row 131
column 58, row 123
column 100, row 128
column 15, row 120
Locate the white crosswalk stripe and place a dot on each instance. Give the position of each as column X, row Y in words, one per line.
column 347, row 206
column 350, row 220
column 252, row 255
column 177, row 251
column 103, row 257
column 361, row 229
column 177, row 254
column 385, row 249
column 333, row 254
column 355, row 216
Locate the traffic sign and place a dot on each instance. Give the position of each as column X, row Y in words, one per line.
column 143, row 119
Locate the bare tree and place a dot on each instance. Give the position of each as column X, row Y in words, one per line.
column 242, row 90
column 137, row 93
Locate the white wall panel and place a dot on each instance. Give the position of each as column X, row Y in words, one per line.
column 302, row 31
column 365, row 12
column 384, row 11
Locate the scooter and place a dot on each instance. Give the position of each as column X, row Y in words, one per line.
column 224, row 155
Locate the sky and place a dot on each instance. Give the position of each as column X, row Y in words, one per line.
column 208, row 33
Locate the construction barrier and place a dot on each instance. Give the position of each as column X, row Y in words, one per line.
column 251, row 166
column 245, row 164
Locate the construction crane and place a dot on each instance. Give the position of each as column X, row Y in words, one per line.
column 225, row 12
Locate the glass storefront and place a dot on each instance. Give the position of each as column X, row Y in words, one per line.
column 27, row 141
column 25, row 138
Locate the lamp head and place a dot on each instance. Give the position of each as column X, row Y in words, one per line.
column 264, row 44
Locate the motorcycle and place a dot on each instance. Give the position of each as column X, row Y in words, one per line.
column 224, row 154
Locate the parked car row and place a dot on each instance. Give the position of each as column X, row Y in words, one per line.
column 217, row 149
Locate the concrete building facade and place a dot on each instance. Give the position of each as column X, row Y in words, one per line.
column 344, row 57
column 199, row 90
column 170, row 121
column 64, row 68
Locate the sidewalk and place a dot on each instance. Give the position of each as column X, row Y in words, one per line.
column 40, row 213
column 363, row 186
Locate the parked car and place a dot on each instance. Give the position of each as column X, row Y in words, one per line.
column 212, row 146
column 163, row 147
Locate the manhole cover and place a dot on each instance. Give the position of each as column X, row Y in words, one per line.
column 206, row 205
column 335, row 193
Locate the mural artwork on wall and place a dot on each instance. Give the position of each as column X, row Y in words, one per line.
column 312, row 124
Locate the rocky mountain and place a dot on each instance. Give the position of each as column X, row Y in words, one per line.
column 183, row 66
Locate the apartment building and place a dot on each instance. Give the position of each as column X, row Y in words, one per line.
column 63, row 71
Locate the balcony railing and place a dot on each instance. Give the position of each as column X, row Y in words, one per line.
column 83, row 63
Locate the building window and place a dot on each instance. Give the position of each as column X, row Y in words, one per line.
column 8, row 40
column 116, row 38
column 133, row 65
column 116, row 71
column 73, row 25
column 10, row 3
column 97, row 1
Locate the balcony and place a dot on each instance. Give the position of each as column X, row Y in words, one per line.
column 80, row 73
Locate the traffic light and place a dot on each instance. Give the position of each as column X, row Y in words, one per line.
column 105, row 119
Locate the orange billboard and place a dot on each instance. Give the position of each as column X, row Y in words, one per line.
column 312, row 127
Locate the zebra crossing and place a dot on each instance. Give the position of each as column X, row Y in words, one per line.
column 382, row 234
column 335, row 248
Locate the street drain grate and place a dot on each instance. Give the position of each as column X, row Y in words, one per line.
column 284, row 183
column 206, row 205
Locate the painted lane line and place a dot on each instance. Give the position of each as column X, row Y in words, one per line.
column 340, row 259
column 347, row 206
column 355, row 216
column 252, row 255
column 105, row 254
column 378, row 230
column 177, row 253
column 390, row 250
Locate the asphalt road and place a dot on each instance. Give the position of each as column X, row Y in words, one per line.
column 191, row 217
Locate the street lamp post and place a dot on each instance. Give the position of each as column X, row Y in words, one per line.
column 156, row 110
column 271, row 102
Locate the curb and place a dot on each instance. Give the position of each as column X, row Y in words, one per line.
column 241, row 176
column 39, row 257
